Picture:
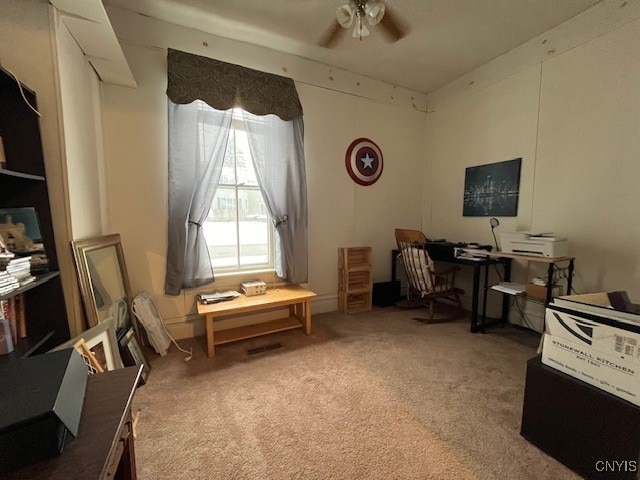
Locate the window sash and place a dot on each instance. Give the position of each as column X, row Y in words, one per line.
column 235, row 203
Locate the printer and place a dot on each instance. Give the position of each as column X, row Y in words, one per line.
column 530, row 243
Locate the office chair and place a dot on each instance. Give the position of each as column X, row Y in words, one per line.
column 425, row 284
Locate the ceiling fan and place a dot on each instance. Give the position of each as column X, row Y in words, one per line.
column 359, row 13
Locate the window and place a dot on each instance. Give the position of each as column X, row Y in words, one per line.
column 238, row 229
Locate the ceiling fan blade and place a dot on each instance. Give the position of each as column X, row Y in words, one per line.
column 392, row 27
column 330, row 37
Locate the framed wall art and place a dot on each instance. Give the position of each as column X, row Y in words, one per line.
column 103, row 278
column 492, row 190
column 132, row 354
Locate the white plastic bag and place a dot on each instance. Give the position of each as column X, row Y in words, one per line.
column 146, row 312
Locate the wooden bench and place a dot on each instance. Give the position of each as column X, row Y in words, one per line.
column 297, row 298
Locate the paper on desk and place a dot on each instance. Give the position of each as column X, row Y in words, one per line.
column 207, row 298
column 509, row 288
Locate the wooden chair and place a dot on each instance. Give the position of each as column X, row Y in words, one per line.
column 425, row 284
column 410, row 236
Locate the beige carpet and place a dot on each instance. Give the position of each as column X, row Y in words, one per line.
column 375, row 395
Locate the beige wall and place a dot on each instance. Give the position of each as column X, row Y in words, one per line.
column 574, row 119
column 81, row 145
column 80, row 112
column 341, row 213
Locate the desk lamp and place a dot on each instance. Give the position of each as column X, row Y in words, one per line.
column 494, row 223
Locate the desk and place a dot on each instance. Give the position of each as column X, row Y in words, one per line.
column 104, row 447
column 552, row 264
column 297, row 298
column 477, row 265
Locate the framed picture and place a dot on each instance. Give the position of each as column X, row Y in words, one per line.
column 101, row 341
column 492, row 190
column 93, row 365
column 20, row 229
column 104, row 283
column 132, row 354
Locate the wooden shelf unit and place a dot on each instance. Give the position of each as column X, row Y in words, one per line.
column 23, row 184
column 355, row 280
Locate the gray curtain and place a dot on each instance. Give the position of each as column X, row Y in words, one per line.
column 277, row 150
column 197, row 144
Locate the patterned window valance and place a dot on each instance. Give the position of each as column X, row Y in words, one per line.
column 225, row 85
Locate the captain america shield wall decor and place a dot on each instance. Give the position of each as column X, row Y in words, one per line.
column 364, row 161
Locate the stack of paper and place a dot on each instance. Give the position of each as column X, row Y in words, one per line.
column 471, row 253
column 509, row 288
column 207, row 298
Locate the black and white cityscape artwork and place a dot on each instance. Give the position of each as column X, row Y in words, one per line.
column 492, row 190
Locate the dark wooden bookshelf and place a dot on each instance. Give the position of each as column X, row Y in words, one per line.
column 40, row 279
column 23, row 183
column 26, row 176
column 26, row 347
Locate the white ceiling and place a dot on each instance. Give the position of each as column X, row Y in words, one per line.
column 446, row 39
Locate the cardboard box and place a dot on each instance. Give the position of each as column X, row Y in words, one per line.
column 253, row 287
column 602, row 334
column 619, row 377
column 595, row 344
column 540, row 292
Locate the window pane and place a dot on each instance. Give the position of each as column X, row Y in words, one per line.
column 238, row 230
column 254, row 229
column 246, row 173
column 228, row 175
column 220, row 230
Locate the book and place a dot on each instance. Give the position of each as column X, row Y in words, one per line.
column 8, row 313
column 21, row 321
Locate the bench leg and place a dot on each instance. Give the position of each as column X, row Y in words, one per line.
column 211, row 348
column 307, row 317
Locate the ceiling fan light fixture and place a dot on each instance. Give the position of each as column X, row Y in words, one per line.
column 360, row 29
column 345, row 14
column 374, row 11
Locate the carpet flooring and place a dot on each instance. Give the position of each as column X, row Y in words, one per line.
column 375, row 395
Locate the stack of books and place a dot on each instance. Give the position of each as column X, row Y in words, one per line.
column 20, row 269
column 7, row 283
column 5, row 257
column 39, row 263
